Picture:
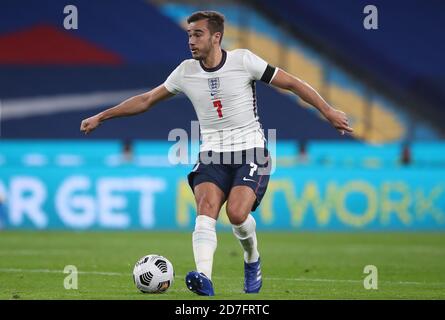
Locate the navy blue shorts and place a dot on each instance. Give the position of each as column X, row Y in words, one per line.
column 229, row 169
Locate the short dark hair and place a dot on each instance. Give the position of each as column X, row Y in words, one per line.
column 215, row 21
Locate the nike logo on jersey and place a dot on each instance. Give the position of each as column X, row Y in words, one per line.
column 245, row 179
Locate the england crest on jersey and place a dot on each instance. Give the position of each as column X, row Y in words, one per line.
column 213, row 85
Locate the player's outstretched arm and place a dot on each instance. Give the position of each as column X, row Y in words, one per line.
column 129, row 107
column 336, row 117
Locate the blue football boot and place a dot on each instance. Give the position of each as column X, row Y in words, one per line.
column 199, row 283
column 252, row 277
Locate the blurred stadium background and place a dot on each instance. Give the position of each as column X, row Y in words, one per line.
column 388, row 176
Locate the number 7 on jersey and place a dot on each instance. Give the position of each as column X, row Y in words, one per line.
column 217, row 104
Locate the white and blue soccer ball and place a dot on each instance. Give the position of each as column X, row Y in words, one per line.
column 153, row 274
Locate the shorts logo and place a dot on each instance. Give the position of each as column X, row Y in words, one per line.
column 213, row 86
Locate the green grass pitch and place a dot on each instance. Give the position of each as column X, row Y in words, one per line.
column 295, row 265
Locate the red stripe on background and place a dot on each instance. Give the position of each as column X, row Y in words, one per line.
column 48, row 45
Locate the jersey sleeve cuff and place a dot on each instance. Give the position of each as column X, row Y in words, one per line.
column 170, row 89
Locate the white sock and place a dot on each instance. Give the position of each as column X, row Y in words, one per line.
column 245, row 232
column 204, row 244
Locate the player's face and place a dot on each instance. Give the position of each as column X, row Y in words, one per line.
column 201, row 42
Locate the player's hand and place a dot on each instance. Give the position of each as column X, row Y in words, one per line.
column 89, row 124
column 339, row 120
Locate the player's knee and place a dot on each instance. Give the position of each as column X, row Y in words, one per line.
column 237, row 218
column 208, row 206
column 236, row 213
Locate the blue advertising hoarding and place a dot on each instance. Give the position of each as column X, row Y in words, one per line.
column 298, row 198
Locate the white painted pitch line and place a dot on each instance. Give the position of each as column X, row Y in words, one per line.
column 31, row 252
column 14, row 270
column 356, row 281
column 61, row 271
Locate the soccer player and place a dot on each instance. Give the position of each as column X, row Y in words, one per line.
column 221, row 87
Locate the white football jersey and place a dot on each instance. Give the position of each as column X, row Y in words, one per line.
column 224, row 98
